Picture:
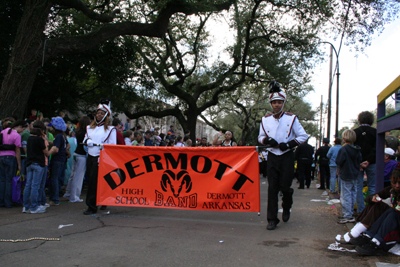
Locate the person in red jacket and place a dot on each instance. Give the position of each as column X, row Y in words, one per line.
column 117, row 124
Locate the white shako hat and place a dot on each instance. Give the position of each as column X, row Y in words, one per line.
column 105, row 105
column 276, row 92
column 105, row 108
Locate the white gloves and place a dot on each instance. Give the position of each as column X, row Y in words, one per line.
column 89, row 143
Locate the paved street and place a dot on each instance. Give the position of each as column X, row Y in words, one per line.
column 159, row 237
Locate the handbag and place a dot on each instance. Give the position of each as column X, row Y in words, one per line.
column 18, row 183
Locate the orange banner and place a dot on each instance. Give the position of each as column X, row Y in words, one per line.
column 223, row 179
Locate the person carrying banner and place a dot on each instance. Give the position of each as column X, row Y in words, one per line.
column 99, row 132
column 281, row 131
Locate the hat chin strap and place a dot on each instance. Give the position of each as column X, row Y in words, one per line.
column 102, row 120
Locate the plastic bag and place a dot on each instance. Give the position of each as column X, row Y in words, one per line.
column 18, row 183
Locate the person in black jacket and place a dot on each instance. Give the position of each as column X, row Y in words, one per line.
column 323, row 162
column 366, row 139
column 304, row 156
column 348, row 161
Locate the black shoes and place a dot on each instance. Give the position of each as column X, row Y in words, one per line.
column 285, row 215
column 371, row 249
column 89, row 212
column 321, row 188
column 361, row 240
column 300, row 187
column 272, row 225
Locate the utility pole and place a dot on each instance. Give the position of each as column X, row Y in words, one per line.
column 328, row 128
column 320, row 123
column 337, row 88
column 337, row 94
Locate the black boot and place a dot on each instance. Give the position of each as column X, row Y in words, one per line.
column 89, row 211
column 272, row 225
column 286, row 215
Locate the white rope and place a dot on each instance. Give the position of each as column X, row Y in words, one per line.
column 30, row 239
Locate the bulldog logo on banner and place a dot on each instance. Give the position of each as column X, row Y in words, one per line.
column 225, row 179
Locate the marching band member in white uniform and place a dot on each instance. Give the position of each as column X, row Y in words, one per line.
column 98, row 132
column 282, row 131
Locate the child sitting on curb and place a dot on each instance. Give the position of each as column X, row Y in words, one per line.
column 382, row 236
column 375, row 208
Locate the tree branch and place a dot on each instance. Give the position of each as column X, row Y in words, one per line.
column 156, row 114
column 212, row 124
column 79, row 44
column 80, row 6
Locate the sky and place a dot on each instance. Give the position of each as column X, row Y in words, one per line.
column 362, row 76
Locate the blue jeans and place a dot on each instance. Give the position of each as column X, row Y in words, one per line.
column 42, row 193
column 23, row 166
column 333, row 179
column 61, row 179
column 55, row 173
column 348, row 197
column 387, row 223
column 34, row 176
column 8, row 169
column 371, row 173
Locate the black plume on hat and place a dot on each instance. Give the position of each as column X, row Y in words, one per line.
column 274, row 87
column 105, row 101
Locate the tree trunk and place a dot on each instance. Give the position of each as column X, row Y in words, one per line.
column 25, row 59
column 191, row 125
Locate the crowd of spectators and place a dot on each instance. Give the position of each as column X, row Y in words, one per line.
column 52, row 155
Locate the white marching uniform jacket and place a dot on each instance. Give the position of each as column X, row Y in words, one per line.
column 99, row 136
column 283, row 130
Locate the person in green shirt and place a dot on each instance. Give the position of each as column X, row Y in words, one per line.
column 24, row 140
column 50, row 136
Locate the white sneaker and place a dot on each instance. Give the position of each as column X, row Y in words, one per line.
column 38, row 210
column 78, row 200
column 47, row 205
column 25, row 210
column 42, row 207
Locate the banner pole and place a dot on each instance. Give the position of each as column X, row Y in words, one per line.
column 260, row 148
column 100, row 145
